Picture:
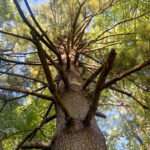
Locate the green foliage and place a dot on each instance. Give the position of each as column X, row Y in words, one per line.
column 125, row 126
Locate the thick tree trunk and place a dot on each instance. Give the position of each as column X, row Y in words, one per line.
column 75, row 135
column 79, row 139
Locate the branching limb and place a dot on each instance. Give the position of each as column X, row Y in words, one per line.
column 23, row 77
column 50, row 42
column 130, row 95
column 45, row 120
column 19, row 62
column 48, row 110
column 25, row 91
column 104, row 73
column 126, row 73
column 106, row 7
column 90, row 57
column 15, row 54
column 59, row 69
column 32, row 133
column 124, row 21
column 51, row 85
column 44, row 63
column 6, row 101
column 80, row 32
column 50, row 45
column 118, row 34
column 74, row 25
column 117, row 24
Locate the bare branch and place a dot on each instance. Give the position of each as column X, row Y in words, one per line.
column 50, row 45
column 51, row 85
column 117, row 24
column 105, row 71
column 35, row 130
column 126, row 73
column 25, row 91
column 80, row 32
column 130, row 95
column 22, row 76
column 101, row 11
column 74, row 25
column 36, row 22
column 16, row 35
column 48, row 110
column 106, row 46
column 90, row 57
column 101, row 115
column 118, row 34
column 14, row 54
column 124, row 21
column 45, row 66
column 45, row 120
column 19, row 62
column 6, row 101
column 116, row 105
column 59, row 69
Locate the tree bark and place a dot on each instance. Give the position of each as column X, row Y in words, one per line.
column 75, row 135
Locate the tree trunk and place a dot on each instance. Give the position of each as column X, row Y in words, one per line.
column 79, row 139
column 75, row 135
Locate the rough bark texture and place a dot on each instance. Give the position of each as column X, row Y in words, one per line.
column 74, row 135
column 79, row 139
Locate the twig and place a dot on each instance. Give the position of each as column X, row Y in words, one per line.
column 16, row 35
column 130, row 95
column 29, row 92
column 22, row 76
column 36, row 22
column 20, row 62
column 119, row 23
column 50, row 45
column 100, row 114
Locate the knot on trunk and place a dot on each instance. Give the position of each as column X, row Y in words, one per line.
column 74, row 125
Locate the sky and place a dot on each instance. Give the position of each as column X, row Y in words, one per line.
column 38, row 1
